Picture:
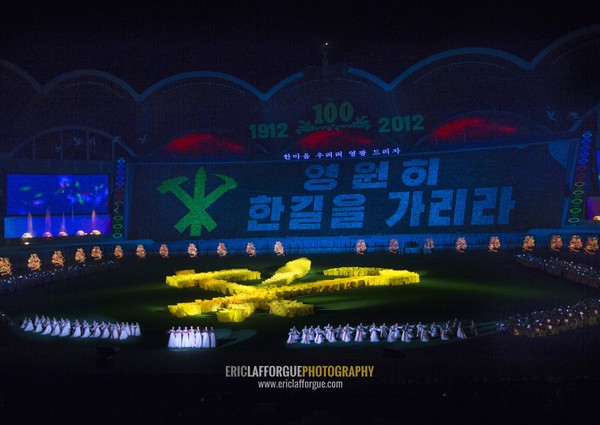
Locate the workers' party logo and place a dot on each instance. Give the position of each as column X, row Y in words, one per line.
column 197, row 202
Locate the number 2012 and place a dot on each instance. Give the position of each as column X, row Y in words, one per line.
column 401, row 123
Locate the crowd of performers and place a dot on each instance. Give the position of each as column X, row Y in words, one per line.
column 14, row 282
column 192, row 338
column 553, row 321
column 567, row 269
column 374, row 333
column 65, row 328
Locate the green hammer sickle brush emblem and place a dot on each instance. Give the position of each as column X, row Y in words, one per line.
column 198, row 202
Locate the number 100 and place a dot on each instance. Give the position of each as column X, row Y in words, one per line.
column 330, row 112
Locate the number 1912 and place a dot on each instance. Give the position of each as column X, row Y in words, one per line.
column 269, row 131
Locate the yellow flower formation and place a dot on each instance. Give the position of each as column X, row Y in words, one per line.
column 250, row 249
column 58, row 259
column 591, row 245
column 96, row 253
column 80, row 255
column 140, row 251
column 34, row 263
column 272, row 294
column 494, row 244
column 163, row 251
column 119, row 252
column 5, row 267
column 192, row 250
column 575, row 244
column 556, row 243
column 528, row 243
column 461, row 244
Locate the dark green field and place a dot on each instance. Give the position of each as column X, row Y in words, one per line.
column 475, row 286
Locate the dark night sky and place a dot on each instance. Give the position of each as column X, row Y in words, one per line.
column 263, row 42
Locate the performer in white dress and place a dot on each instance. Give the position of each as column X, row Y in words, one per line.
column 205, row 338
column 212, row 336
column 444, row 334
column 406, row 334
column 338, row 332
column 114, row 333
column 66, row 328
column 185, row 338
column 57, row 329
column 178, row 337
column 330, row 334
column 393, row 334
column 434, row 330
column 136, row 330
column 383, row 333
column 319, row 335
column 191, row 337
column 305, row 336
column 86, row 332
column 198, row 337
column 294, row 331
column 48, row 328
column 96, row 330
column 105, row 330
column 374, row 333
column 291, row 337
column 28, row 326
column 171, row 342
column 460, row 332
column 124, row 331
column 76, row 330
column 347, row 333
column 360, row 333
column 449, row 331
column 420, row 328
column 424, row 335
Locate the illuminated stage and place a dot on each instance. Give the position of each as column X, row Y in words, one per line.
column 476, row 285
column 461, row 189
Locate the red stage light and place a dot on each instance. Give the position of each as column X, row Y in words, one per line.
column 203, row 144
column 475, row 128
column 335, row 139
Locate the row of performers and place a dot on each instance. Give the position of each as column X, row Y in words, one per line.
column 374, row 333
column 46, row 326
column 192, row 338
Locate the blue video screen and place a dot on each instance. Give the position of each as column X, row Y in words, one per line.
column 39, row 194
